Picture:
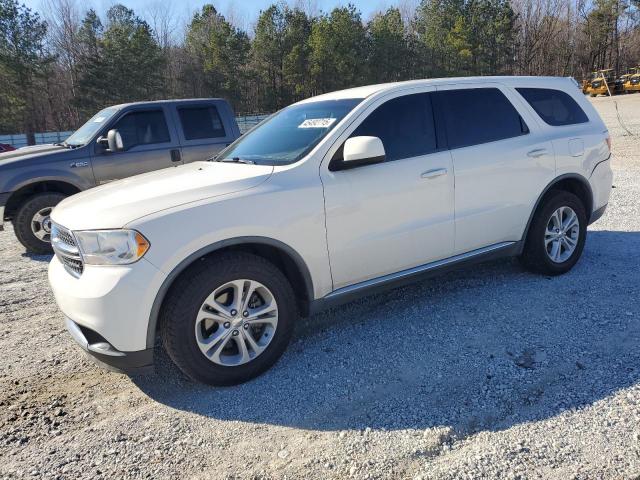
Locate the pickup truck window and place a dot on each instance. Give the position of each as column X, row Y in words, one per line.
column 404, row 124
column 291, row 133
column 143, row 128
column 88, row 130
column 201, row 122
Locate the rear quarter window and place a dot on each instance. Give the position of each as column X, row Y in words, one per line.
column 555, row 107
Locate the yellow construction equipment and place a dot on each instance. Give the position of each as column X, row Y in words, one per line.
column 603, row 82
column 632, row 81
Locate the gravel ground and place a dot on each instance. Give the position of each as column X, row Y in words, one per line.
column 487, row 372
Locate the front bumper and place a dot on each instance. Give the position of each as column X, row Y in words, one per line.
column 106, row 355
column 112, row 302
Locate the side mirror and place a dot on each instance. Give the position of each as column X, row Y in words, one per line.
column 359, row 151
column 114, row 140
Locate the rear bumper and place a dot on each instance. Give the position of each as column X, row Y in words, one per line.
column 106, row 354
column 3, row 202
column 595, row 216
column 601, row 181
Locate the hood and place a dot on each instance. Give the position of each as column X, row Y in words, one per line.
column 118, row 203
column 33, row 154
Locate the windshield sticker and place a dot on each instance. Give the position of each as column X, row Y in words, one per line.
column 317, row 123
column 98, row 120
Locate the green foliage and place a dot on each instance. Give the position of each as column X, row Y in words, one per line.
column 217, row 52
column 120, row 63
column 23, row 64
column 466, row 37
column 114, row 58
column 389, row 48
column 280, row 55
column 338, row 45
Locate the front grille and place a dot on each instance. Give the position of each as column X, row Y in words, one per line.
column 66, row 249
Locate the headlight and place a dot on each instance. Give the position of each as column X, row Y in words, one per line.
column 111, row 247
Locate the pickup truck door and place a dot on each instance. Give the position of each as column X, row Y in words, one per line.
column 204, row 128
column 396, row 215
column 149, row 145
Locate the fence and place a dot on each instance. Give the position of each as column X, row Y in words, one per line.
column 20, row 140
column 248, row 121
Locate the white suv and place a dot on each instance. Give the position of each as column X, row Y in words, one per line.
column 330, row 198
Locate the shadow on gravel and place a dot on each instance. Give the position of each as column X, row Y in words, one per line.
column 37, row 258
column 488, row 347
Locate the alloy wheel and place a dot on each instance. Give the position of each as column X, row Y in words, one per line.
column 562, row 234
column 236, row 322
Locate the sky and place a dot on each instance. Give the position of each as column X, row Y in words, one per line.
column 243, row 13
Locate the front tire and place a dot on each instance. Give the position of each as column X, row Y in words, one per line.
column 557, row 234
column 32, row 223
column 228, row 319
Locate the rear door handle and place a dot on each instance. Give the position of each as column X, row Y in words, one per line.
column 538, row 152
column 436, row 172
column 175, row 155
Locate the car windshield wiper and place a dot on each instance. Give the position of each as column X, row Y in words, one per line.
column 66, row 145
column 235, row 160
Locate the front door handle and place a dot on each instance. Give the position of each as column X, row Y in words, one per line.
column 175, row 155
column 436, row 172
column 538, row 152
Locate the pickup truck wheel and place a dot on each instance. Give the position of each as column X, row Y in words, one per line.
column 228, row 319
column 557, row 235
column 32, row 223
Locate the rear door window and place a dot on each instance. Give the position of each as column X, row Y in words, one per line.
column 143, row 128
column 404, row 124
column 201, row 122
column 478, row 115
column 555, row 107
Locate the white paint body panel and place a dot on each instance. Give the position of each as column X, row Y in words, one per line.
column 348, row 226
column 497, row 183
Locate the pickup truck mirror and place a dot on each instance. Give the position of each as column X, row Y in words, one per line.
column 359, row 151
column 114, row 141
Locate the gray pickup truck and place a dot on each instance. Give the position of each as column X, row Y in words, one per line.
column 117, row 142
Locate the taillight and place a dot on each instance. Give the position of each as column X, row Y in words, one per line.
column 608, row 140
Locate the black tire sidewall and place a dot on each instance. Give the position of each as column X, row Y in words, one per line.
column 24, row 216
column 535, row 252
column 178, row 318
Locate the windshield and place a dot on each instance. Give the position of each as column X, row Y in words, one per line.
column 290, row 134
column 88, row 130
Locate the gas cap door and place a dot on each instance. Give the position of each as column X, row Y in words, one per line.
column 576, row 147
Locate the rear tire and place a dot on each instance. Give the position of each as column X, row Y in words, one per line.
column 553, row 246
column 32, row 224
column 193, row 299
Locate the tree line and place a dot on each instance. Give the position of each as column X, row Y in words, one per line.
column 58, row 68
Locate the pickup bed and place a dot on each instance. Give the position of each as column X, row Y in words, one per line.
column 118, row 142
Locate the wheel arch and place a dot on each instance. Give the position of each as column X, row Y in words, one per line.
column 570, row 182
column 287, row 259
column 18, row 196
